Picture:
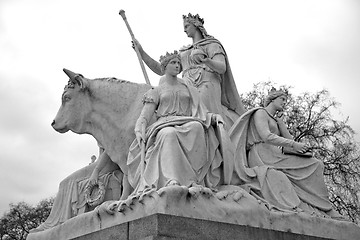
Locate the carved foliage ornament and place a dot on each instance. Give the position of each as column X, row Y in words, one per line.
column 94, row 194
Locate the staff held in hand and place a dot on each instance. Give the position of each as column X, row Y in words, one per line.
column 122, row 13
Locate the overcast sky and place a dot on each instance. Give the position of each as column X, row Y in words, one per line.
column 307, row 44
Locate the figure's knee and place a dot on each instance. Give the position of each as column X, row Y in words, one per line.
column 79, row 174
column 167, row 131
column 196, row 127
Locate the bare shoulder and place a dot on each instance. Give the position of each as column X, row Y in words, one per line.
column 260, row 114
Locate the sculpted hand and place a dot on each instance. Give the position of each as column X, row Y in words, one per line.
column 140, row 127
column 280, row 116
column 137, row 44
column 300, row 147
column 199, row 56
column 139, row 137
column 217, row 119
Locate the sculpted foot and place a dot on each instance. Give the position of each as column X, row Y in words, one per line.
column 207, row 192
column 222, row 194
column 237, row 196
column 195, row 190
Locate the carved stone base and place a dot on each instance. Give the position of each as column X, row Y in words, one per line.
column 176, row 213
column 166, row 227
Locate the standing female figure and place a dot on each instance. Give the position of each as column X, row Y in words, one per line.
column 206, row 67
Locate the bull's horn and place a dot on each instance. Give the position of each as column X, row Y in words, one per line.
column 76, row 78
column 71, row 74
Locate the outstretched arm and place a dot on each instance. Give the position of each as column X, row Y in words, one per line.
column 149, row 61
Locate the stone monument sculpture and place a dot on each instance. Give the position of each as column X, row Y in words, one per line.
column 165, row 153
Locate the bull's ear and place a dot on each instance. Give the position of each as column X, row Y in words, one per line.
column 75, row 77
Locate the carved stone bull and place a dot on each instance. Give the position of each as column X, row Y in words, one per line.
column 107, row 109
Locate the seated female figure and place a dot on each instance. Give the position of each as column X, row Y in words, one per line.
column 181, row 147
column 285, row 182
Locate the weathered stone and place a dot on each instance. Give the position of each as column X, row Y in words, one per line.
column 166, row 227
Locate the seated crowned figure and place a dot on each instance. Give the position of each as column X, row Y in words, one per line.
column 182, row 146
column 287, row 182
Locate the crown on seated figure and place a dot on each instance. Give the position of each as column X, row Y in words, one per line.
column 164, row 59
column 272, row 90
column 273, row 94
column 193, row 18
column 275, row 91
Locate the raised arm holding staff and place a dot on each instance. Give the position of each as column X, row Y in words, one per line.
column 122, row 13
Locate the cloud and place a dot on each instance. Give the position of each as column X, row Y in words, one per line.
column 35, row 158
column 331, row 56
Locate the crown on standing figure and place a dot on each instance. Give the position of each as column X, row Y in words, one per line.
column 193, row 18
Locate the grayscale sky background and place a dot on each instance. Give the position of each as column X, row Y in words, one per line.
column 307, row 44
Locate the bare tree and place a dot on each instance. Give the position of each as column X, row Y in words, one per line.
column 23, row 217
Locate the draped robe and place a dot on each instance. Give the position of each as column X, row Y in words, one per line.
column 286, row 182
column 181, row 145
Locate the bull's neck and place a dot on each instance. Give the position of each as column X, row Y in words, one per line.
column 112, row 117
column 104, row 125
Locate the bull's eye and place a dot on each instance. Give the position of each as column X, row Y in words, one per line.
column 66, row 98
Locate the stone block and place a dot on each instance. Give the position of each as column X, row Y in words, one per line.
column 167, row 227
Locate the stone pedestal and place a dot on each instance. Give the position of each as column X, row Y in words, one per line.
column 166, row 227
column 172, row 213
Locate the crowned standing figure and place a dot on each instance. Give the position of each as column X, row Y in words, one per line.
column 206, row 67
column 182, row 147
